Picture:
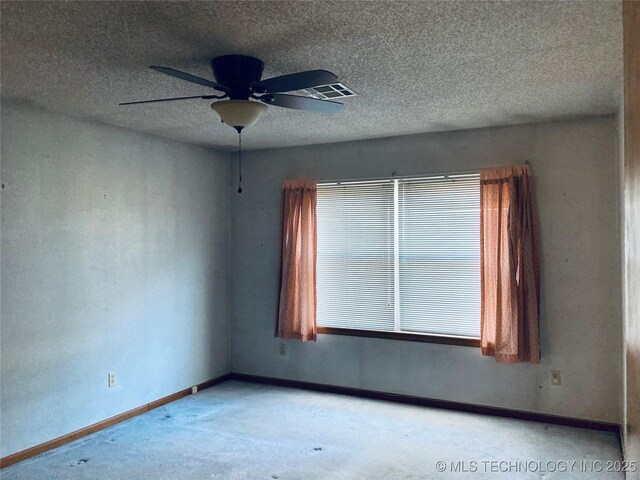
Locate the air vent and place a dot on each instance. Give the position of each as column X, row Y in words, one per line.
column 327, row 92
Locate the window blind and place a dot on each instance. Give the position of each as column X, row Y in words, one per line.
column 355, row 256
column 400, row 255
column 439, row 256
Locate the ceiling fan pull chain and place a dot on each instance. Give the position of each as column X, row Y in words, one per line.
column 239, row 161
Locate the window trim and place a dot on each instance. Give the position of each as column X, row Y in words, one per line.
column 455, row 340
column 403, row 336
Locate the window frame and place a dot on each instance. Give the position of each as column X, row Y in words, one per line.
column 441, row 339
column 403, row 336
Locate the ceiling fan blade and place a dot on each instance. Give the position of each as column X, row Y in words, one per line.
column 303, row 103
column 188, row 77
column 296, row 81
column 204, row 97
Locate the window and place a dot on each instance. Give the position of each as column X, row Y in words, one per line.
column 400, row 255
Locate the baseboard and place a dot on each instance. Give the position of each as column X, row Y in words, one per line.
column 431, row 402
column 96, row 427
column 320, row 387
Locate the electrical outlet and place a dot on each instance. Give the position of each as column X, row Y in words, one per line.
column 112, row 379
column 282, row 349
column 556, row 378
column 194, row 389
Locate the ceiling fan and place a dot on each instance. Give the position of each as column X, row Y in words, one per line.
column 239, row 78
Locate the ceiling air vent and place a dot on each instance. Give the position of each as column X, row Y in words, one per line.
column 334, row 90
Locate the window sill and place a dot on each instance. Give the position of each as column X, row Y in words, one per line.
column 408, row 337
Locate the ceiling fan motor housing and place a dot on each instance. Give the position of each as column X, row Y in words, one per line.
column 238, row 73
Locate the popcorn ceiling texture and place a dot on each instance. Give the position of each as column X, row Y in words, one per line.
column 417, row 66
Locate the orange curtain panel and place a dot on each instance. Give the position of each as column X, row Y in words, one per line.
column 509, row 265
column 297, row 300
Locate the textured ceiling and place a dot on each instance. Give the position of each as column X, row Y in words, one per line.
column 417, row 66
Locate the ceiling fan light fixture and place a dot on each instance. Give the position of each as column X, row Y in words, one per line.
column 239, row 114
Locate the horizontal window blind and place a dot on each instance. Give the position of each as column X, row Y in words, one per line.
column 439, row 256
column 400, row 255
column 355, row 256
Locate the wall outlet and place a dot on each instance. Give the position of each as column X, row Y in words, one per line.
column 112, row 379
column 194, row 389
column 282, row 349
column 556, row 378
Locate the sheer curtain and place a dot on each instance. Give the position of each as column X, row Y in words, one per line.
column 509, row 265
column 297, row 300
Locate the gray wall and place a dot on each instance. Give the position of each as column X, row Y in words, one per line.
column 576, row 167
column 114, row 258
